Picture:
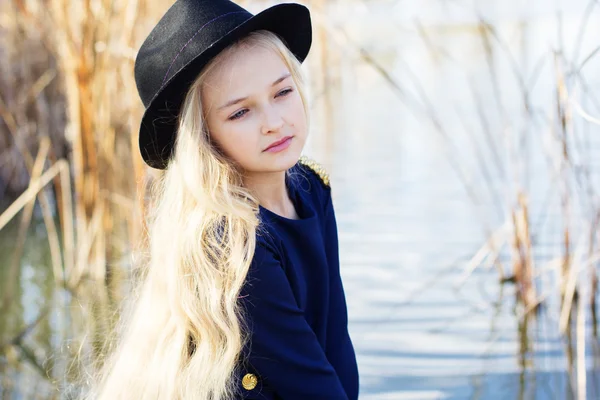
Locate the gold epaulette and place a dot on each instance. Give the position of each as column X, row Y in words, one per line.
column 316, row 167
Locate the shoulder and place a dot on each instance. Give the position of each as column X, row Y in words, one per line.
column 313, row 182
column 315, row 169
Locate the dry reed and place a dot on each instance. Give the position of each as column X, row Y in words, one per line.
column 516, row 235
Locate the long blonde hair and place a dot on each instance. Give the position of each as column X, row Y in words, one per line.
column 185, row 331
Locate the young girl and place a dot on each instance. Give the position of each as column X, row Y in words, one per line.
column 242, row 296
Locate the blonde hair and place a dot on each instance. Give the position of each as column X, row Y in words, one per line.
column 184, row 334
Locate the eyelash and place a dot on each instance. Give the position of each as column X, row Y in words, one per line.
column 235, row 116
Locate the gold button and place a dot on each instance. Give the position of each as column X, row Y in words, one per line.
column 249, row 381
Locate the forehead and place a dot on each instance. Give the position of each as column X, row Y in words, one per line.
column 243, row 71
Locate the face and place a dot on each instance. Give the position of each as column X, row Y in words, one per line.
column 251, row 102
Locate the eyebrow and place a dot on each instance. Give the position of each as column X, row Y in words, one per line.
column 235, row 101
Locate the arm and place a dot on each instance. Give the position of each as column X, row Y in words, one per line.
column 340, row 350
column 284, row 350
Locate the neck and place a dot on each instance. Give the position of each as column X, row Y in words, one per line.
column 271, row 192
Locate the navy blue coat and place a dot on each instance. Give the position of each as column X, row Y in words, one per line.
column 295, row 304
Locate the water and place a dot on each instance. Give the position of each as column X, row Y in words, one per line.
column 408, row 222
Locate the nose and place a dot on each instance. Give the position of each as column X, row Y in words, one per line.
column 272, row 120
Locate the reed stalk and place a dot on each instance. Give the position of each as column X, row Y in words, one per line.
column 29, row 195
column 24, row 224
column 509, row 149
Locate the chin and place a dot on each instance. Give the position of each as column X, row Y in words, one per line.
column 282, row 162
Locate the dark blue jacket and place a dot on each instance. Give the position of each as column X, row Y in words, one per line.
column 295, row 304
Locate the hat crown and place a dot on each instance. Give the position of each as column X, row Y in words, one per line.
column 187, row 29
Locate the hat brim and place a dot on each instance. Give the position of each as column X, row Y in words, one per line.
column 291, row 22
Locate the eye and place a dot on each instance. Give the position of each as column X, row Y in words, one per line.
column 284, row 92
column 238, row 114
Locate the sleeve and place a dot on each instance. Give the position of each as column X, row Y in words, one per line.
column 340, row 350
column 285, row 351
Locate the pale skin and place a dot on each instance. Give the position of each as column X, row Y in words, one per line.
column 269, row 109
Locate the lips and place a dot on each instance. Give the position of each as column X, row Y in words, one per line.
column 278, row 142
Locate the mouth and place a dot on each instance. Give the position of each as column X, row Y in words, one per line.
column 279, row 145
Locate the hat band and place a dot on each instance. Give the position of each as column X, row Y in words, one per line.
column 192, row 38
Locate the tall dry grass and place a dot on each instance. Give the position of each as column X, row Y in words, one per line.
column 565, row 131
column 68, row 76
column 502, row 154
column 69, row 115
column 94, row 46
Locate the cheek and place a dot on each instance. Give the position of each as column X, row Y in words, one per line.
column 220, row 138
column 296, row 112
column 237, row 140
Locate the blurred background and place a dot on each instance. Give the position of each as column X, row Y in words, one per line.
column 462, row 141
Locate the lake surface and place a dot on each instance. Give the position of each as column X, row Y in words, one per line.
column 414, row 202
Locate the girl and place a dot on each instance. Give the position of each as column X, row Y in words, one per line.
column 242, row 296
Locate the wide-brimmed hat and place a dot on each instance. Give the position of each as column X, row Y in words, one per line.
column 185, row 39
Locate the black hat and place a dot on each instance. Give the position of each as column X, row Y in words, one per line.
column 185, row 39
